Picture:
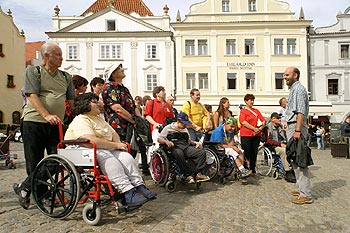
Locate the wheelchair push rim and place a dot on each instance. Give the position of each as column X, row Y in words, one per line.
column 159, row 167
column 264, row 161
column 55, row 186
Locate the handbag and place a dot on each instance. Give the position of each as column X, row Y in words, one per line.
column 259, row 121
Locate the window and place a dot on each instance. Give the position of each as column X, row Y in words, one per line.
column 251, row 5
column 278, row 46
column 203, row 81
column 190, row 81
column 250, row 81
column 279, row 81
column 332, row 86
column 291, row 46
column 10, row 81
column 1, row 51
column 230, row 47
column 111, row 25
column 249, row 46
column 151, row 51
column 202, row 47
column 72, row 52
column 225, row 5
column 151, row 82
column 189, row 47
column 232, row 81
column 344, row 51
column 110, row 51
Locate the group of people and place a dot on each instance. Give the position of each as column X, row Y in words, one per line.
column 105, row 114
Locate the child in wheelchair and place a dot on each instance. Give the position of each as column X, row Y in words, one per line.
column 224, row 134
column 176, row 137
column 112, row 157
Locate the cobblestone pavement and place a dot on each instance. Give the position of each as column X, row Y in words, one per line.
column 262, row 206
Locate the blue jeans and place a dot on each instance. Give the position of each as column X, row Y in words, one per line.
column 319, row 145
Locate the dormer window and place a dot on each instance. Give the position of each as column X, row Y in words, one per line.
column 111, row 25
column 225, row 5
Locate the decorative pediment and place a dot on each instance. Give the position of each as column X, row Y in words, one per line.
column 333, row 75
column 151, row 68
column 72, row 69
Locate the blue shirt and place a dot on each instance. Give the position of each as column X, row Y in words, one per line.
column 219, row 135
column 298, row 102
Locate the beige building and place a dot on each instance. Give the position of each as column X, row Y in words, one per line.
column 231, row 48
column 12, row 65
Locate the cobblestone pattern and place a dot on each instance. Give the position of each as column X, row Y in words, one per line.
column 261, row 206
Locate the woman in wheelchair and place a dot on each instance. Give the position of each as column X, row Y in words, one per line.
column 176, row 137
column 225, row 135
column 112, row 157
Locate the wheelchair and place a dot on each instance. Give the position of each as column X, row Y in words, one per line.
column 226, row 164
column 268, row 162
column 165, row 170
column 60, row 182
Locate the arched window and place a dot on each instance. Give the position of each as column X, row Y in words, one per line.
column 16, row 117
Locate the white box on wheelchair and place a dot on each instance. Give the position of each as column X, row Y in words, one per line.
column 78, row 156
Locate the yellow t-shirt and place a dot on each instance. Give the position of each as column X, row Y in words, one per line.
column 195, row 112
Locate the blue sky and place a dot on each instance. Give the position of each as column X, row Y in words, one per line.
column 34, row 17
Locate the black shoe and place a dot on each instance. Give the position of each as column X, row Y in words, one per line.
column 24, row 201
column 146, row 192
column 133, row 198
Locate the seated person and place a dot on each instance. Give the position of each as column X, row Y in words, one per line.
column 176, row 137
column 276, row 139
column 112, row 157
column 225, row 135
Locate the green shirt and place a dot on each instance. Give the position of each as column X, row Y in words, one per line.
column 52, row 90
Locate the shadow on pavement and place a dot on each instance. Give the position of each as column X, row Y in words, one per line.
column 324, row 189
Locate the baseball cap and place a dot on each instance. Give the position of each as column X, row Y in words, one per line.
column 276, row 115
column 230, row 120
column 111, row 69
column 183, row 118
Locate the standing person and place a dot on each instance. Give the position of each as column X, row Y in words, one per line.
column 96, row 85
column 120, row 107
column 345, row 127
column 170, row 99
column 145, row 100
column 46, row 89
column 296, row 128
column 156, row 112
column 252, row 125
column 209, row 130
column 195, row 111
column 318, row 137
column 80, row 86
column 222, row 112
column 282, row 109
column 138, row 104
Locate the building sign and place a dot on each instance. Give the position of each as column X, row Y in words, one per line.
column 241, row 65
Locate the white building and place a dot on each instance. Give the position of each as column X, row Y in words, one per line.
column 120, row 31
column 330, row 65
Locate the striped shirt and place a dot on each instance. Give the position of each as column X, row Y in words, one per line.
column 298, row 102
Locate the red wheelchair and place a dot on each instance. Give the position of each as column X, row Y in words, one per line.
column 71, row 177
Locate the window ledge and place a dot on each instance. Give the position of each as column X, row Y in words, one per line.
column 72, row 59
column 111, row 59
column 250, row 55
column 152, row 59
column 232, row 55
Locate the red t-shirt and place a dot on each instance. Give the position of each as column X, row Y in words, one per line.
column 158, row 111
column 248, row 116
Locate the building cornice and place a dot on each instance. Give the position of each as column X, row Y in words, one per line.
column 147, row 34
column 330, row 35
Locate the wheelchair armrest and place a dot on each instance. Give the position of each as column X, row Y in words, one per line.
column 211, row 143
column 79, row 140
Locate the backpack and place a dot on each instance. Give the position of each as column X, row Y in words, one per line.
column 290, row 176
column 39, row 77
column 142, row 130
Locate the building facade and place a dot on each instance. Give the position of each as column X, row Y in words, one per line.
column 12, row 65
column 118, row 32
column 231, row 48
column 330, row 65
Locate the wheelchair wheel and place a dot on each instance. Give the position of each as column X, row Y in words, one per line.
column 55, row 186
column 264, row 161
column 91, row 216
column 275, row 174
column 212, row 164
column 159, row 167
column 170, row 186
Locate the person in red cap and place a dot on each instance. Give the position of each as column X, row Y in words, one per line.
column 178, row 140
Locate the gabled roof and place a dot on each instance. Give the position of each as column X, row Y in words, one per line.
column 31, row 48
column 125, row 6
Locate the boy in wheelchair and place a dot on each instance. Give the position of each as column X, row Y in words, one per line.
column 224, row 134
column 176, row 137
column 112, row 157
column 275, row 139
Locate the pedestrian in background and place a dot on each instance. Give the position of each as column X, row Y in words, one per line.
column 296, row 129
column 96, row 85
